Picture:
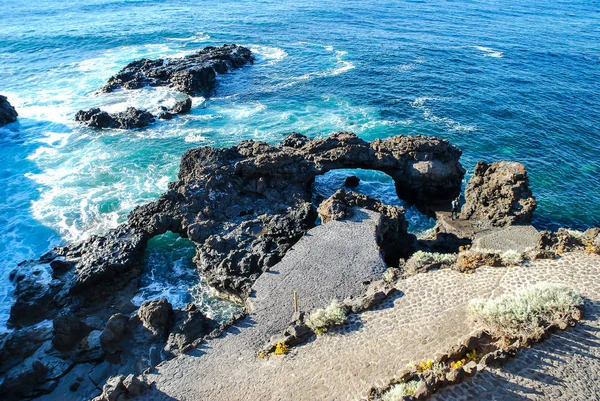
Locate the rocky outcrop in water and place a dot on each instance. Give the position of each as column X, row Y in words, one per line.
column 243, row 207
column 194, row 74
column 181, row 107
column 498, row 195
column 131, row 118
column 128, row 119
column 8, row 114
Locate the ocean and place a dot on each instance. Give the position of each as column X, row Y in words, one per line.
column 503, row 80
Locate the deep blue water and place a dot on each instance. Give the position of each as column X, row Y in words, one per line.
column 508, row 79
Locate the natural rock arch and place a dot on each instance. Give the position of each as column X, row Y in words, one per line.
column 243, row 207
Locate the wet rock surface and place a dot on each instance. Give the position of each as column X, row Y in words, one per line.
column 181, row 107
column 498, row 195
column 194, row 74
column 129, row 119
column 8, row 114
column 244, row 207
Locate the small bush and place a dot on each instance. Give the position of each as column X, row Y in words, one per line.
column 528, row 313
column 398, row 391
column 511, row 258
column 422, row 261
column 457, row 364
column 321, row 319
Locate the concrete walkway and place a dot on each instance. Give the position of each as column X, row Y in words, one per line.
column 331, row 261
column 514, row 238
column 427, row 316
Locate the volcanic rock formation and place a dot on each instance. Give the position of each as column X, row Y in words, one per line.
column 498, row 195
column 128, row 119
column 8, row 114
column 243, row 207
column 131, row 117
column 194, row 74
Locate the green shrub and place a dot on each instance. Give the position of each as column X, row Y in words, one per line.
column 398, row 391
column 527, row 313
column 321, row 319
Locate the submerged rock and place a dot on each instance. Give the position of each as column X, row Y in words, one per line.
column 128, row 119
column 181, row 107
column 352, row 181
column 194, row 74
column 498, row 195
column 8, row 114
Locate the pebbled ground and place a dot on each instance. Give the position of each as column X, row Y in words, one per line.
column 426, row 316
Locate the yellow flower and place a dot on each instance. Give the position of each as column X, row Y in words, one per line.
column 424, row 366
column 281, row 349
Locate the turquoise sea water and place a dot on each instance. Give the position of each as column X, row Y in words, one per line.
column 509, row 79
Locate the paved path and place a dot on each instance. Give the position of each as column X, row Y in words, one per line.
column 428, row 315
column 513, row 238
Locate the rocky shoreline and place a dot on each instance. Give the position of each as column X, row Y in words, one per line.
column 244, row 208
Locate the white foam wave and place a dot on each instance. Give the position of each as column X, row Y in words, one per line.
column 270, row 54
column 421, row 103
column 150, row 99
column 341, row 66
column 410, row 65
column 198, row 37
column 489, row 52
column 77, row 209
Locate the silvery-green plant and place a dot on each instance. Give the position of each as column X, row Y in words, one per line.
column 438, row 368
column 574, row 233
column 527, row 313
column 398, row 391
column 333, row 315
column 511, row 258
